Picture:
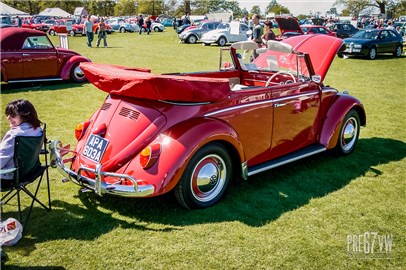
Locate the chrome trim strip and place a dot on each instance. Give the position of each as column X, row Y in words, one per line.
column 36, row 80
column 244, row 170
column 185, row 103
column 97, row 185
column 286, row 161
column 260, row 103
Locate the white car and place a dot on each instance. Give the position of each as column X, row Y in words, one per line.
column 222, row 35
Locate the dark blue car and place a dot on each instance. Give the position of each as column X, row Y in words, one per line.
column 372, row 42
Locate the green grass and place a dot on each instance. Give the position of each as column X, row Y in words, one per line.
column 294, row 217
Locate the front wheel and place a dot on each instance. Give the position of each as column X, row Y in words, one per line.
column 76, row 74
column 122, row 30
column 191, row 39
column 205, row 178
column 71, row 33
column 349, row 134
column 52, row 32
column 372, row 53
column 156, row 29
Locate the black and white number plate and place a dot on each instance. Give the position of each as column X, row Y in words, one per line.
column 95, row 148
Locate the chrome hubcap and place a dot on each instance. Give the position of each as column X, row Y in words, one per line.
column 349, row 134
column 79, row 73
column 208, row 178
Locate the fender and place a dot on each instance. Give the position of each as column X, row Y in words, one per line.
column 335, row 117
column 178, row 145
column 65, row 72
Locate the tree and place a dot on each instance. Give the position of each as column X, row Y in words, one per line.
column 255, row 10
column 126, row 7
column 274, row 7
column 356, row 6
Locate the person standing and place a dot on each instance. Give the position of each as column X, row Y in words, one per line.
column 88, row 26
column 19, row 22
column 269, row 34
column 140, row 23
column 148, row 24
column 102, row 33
column 257, row 33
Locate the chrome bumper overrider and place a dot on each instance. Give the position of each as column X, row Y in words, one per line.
column 97, row 185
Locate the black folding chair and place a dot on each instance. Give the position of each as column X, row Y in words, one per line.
column 28, row 168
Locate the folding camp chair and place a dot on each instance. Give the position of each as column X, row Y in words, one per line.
column 28, row 168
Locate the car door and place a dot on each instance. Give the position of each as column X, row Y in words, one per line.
column 39, row 58
column 296, row 107
column 384, row 42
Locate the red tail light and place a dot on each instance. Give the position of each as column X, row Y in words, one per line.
column 149, row 155
column 80, row 129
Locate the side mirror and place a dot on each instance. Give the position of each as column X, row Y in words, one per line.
column 316, row 78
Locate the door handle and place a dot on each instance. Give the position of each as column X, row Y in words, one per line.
column 277, row 105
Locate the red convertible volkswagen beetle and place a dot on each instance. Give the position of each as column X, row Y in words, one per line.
column 29, row 55
column 194, row 133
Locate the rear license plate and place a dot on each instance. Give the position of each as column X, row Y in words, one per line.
column 95, row 148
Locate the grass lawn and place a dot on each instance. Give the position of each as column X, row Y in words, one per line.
column 304, row 215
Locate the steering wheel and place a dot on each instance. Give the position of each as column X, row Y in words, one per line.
column 279, row 73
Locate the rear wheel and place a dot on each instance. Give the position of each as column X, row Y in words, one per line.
column 349, row 133
column 122, row 30
column 52, row 32
column 76, row 74
column 398, row 51
column 205, row 178
column 222, row 41
column 372, row 53
column 156, row 29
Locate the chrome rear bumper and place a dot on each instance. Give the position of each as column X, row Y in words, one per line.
column 97, row 185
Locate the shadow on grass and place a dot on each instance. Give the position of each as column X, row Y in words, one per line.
column 38, row 86
column 258, row 201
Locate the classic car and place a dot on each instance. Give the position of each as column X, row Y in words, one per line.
column 316, row 29
column 224, row 34
column 193, row 35
column 370, row 43
column 344, row 30
column 29, row 55
column 288, row 27
column 193, row 133
column 27, row 23
column 66, row 27
column 119, row 24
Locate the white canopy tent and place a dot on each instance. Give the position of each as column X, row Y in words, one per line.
column 10, row 11
column 55, row 12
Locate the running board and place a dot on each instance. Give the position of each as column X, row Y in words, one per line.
column 37, row 80
column 305, row 152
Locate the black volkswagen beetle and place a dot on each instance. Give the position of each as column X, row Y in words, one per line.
column 372, row 42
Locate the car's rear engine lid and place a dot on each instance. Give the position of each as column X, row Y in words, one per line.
column 140, row 84
column 288, row 24
column 130, row 126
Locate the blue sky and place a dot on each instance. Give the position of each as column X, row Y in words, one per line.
column 296, row 7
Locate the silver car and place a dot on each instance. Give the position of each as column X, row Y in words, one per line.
column 226, row 33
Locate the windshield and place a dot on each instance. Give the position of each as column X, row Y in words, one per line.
column 269, row 61
column 365, row 34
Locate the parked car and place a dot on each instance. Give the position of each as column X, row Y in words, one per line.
column 109, row 30
column 344, row 30
column 155, row 26
column 317, row 29
column 29, row 55
column 167, row 22
column 288, row 27
column 402, row 27
column 194, row 133
column 119, row 24
column 62, row 26
column 193, row 35
column 370, row 43
column 222, row 35
column 5, row 21
column 32, row 25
